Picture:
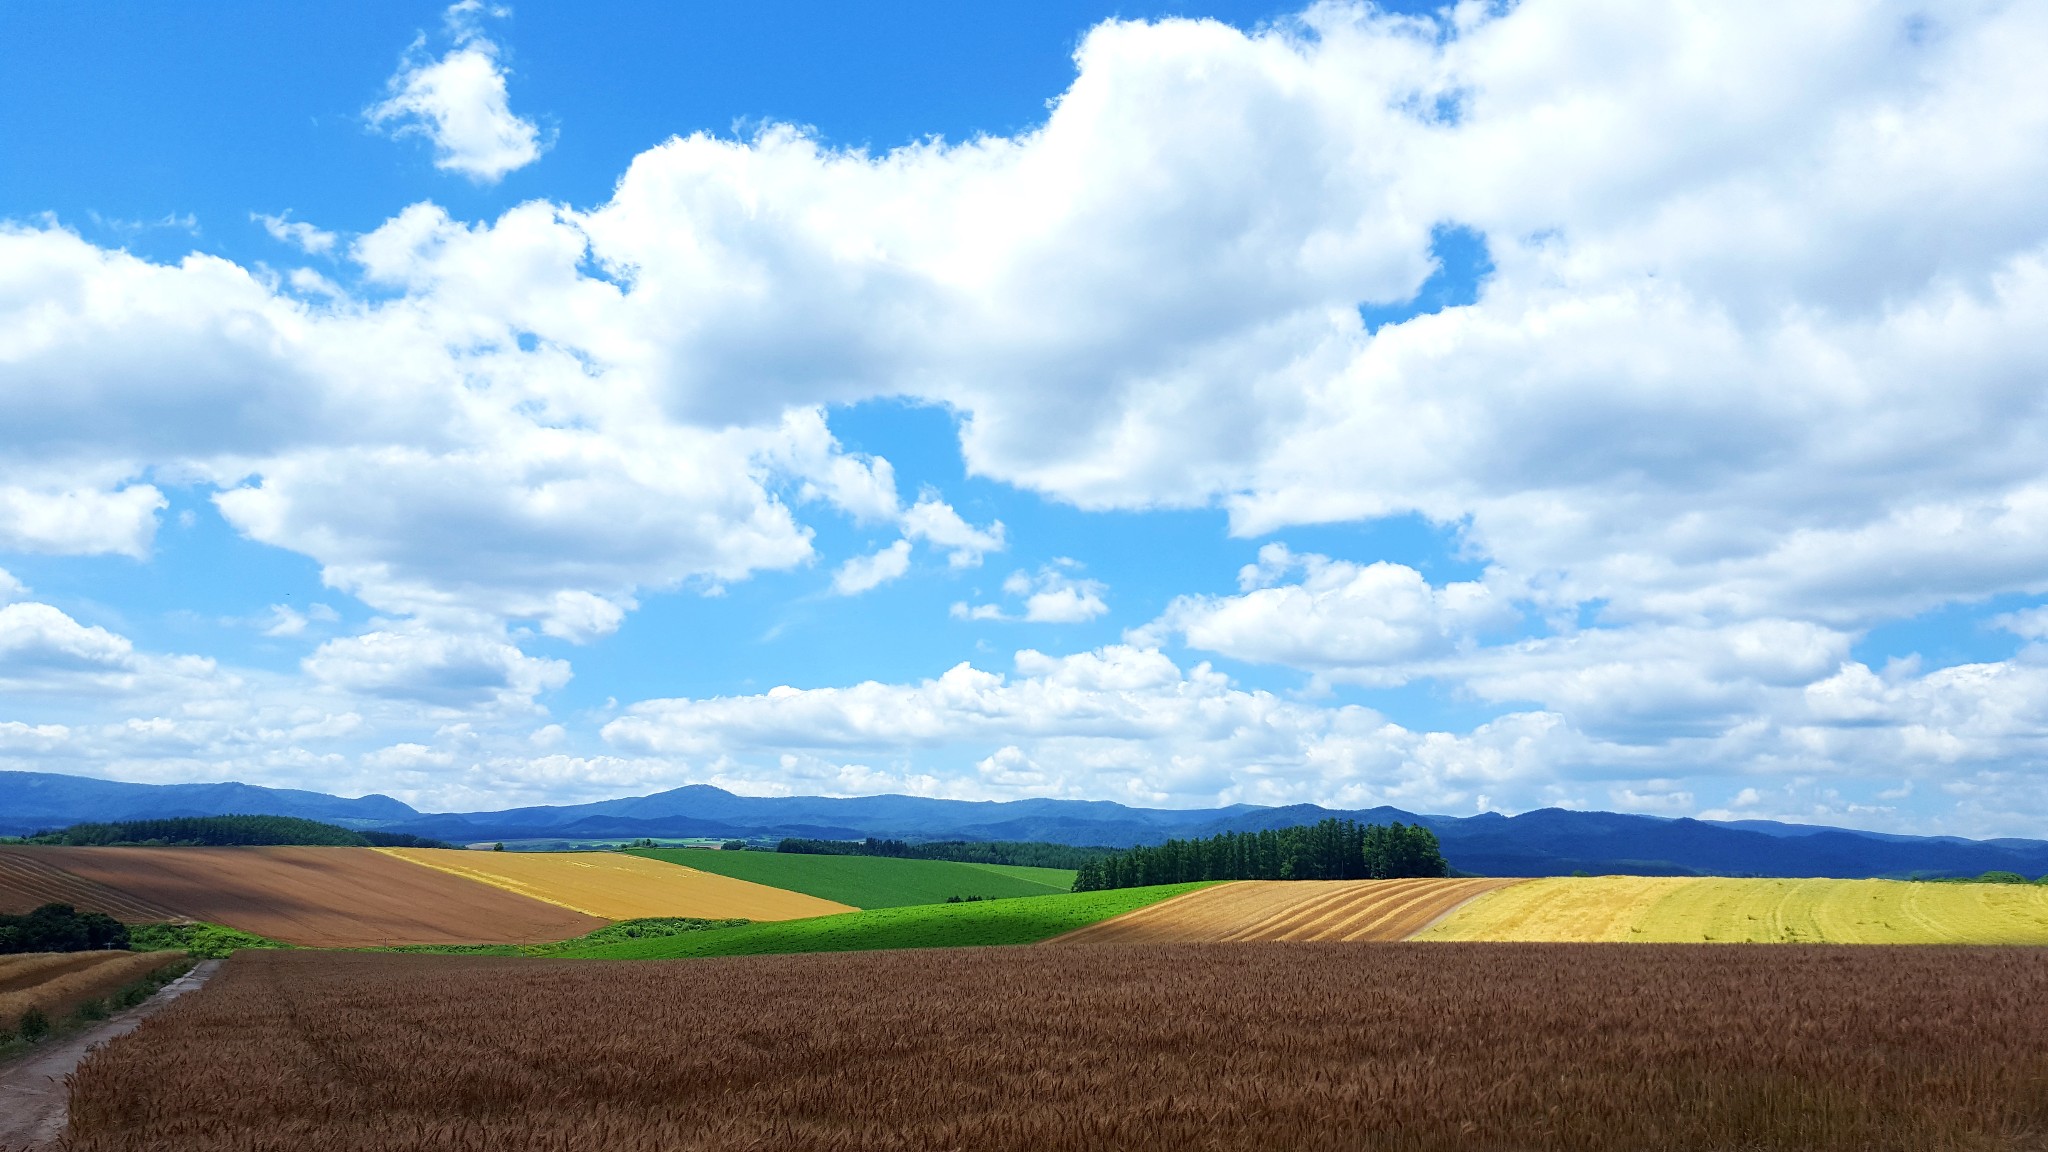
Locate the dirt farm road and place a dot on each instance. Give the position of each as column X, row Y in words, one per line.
column 32, row 1096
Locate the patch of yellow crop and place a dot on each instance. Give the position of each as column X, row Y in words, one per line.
column 1849, row 912
column 1558, row 909
column 1711, row 910
column 619, row 887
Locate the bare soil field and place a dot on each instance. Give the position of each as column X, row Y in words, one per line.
column 58, row 988
column 30, row 878
column 1300, row 910
column 1172, row 1047
column 621, row 887
column 321, row 897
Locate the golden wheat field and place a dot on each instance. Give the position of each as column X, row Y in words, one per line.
column 1245, row 910
column 615, row 886
column 1392, row 1047
column 58, row 982
column 1688, row 910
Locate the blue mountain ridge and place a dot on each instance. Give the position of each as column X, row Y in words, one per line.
column 1547, row 841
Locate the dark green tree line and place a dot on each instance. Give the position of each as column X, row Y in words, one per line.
column 1034, row 854
column 1330, row 850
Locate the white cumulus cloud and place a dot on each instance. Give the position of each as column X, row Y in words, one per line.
column 861, row 573
column 459, row 102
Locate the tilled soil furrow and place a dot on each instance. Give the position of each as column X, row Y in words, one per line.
column 1343, row 913
column 1313, row 907
column 1249, row 911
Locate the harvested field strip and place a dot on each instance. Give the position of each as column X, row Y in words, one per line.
column 1559, row 910
column 616, row 886
column 324, row 897
column 1247, row 910
column 24, row 969
column 1688, row 910
column 1023, row 920
column 29, row 878
column 66, row 989
column 1159, row 1048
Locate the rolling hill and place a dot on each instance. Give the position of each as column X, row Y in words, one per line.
column 1547, row 842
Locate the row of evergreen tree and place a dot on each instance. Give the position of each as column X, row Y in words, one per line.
column 1029, row 853
column 1330, row 850
column 224, row 831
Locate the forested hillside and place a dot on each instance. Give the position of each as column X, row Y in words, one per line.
column 228, row 831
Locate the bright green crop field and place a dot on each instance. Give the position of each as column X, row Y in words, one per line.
column 870, row 881
column 1025, row 920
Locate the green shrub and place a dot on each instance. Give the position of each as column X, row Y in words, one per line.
column 92, row 1010
column 2001, row 877
column 34, row 1025
column 200, row 940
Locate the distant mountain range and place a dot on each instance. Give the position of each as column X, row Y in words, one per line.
column 1546, row 842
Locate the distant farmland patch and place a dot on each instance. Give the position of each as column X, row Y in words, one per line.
column 1023, row 920
column 30, row 878
column 1311, row 1047
column 1346, row 910
column 320, row 897
column 870, row 881
column 617, row 886
column 1688, row 910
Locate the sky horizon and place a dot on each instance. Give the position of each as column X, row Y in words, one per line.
column 1478, row 408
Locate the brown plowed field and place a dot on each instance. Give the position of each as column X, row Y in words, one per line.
column 29, row 879
column 1343, row 910
column 1149, row 1048
column 322, row 897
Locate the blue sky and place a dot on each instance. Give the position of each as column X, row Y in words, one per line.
column 1175, row 404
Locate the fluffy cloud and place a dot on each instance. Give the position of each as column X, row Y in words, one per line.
column 36, row 639
column 1757, row 367
column 301, row 235
column 935, row 522
column 861, row 573
column 1370, row 623
column 1052, row 595
column 452, row 670
column 459, row 102
column 1129, row 723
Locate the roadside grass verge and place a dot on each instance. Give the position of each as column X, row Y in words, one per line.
column 869, row 881
column 1024, row 920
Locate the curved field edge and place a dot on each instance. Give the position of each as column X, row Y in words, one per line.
column 1654, row 910
column 1023, row 920
column 622, row 886
column 866, row 882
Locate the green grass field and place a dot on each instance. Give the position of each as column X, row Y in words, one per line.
column 871, row 881
column 1025, row 920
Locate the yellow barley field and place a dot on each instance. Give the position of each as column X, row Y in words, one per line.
column 1711, row 910
column 619, row 887
column 1341, row 910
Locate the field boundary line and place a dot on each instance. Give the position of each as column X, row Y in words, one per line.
column 1217, row 887
column 1453, row 910
column 501, row 883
